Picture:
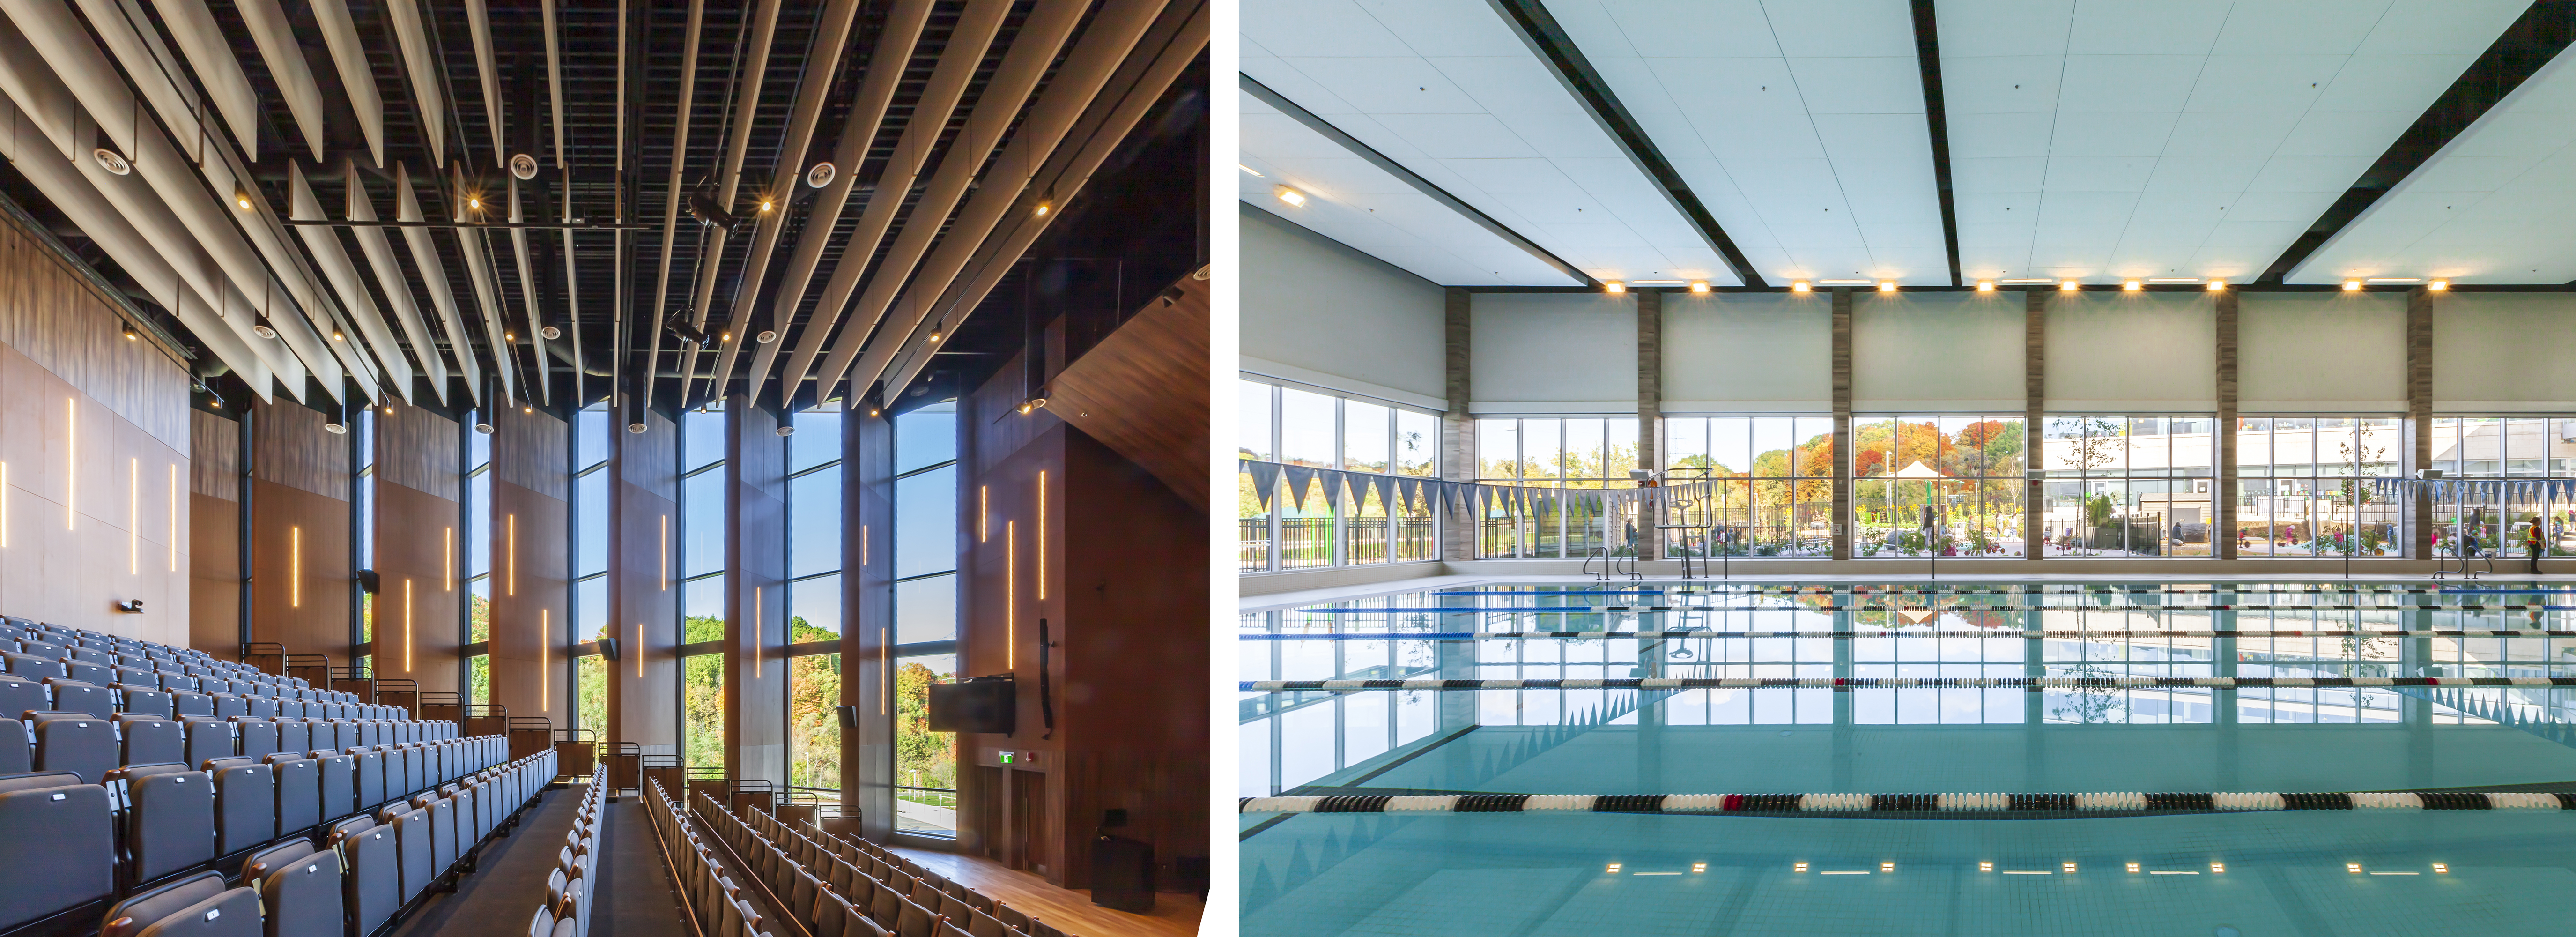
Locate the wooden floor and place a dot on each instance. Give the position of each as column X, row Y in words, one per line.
column 1067, row 910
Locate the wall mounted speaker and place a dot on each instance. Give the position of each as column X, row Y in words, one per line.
column 849, row 716
column 608, row 649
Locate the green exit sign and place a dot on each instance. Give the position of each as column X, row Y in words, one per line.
column 1008, row 758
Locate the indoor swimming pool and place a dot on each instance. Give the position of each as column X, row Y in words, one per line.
column 1611, row 702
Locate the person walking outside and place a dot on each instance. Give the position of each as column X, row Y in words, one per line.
column 2536, row 542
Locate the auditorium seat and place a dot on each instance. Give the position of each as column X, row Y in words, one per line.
column 80, row 696
column 371, row 888
column 299, row 889
column 198, row 906
column 418, row 843
column 299, row 794
column 147, row 740
column 59, row 845
column 256, row 736
column 245, row 804
column 206, row 739
column 170, row 820
column 76, row 742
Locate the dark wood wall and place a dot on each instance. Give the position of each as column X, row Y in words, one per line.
column 867, row 620
column 214, row 526
column 1111, row 565
column 419, row 547
column 643, row 705
column 62, row 325
column 300, row 562
column 755, row 612
column 531, row 588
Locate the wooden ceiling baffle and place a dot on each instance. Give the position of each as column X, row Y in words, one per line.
column 1143, row 391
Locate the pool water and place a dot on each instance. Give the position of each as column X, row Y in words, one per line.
column 2460, row 872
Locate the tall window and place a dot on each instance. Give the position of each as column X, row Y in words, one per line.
column 925, row 615
column 476, row 529
column 1320, row 528
column 1780, row 501
column 1554, row 452
column 2505, row 447
column 2128, row 486
column 362, row 546
column 1937, row 486
column 701, row 539
column 590, row 478
column 2300, row 488
column 814, row 600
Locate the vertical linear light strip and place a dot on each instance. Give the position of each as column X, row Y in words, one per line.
column 295, row 567
column 1041, row 544
column 71, row 460
column 174, row 514
column 666, row 554
column 406, row 625
column 1011, row 595
column 545, row 677
column 639, row 650
column 4, row 504
column 514, row 554
column 983, row 511
column 755, row 631
column 133, row 516
column 451, row 559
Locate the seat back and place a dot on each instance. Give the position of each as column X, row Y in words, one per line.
column 294, row 736
column 419, row 852
column 258, row 737
column 339, row 785
column 299, row 794
column 145, row 700
column 83, row 746
column 143, row 909
column 885, row 905
column 442, row 832
column 245, row 805
column 17, row 751
column 172, row 824
column 80, row 696
column 152, row 741
column 299, row 889
column 913, row 920
column 234, row 913
column 59, row 846
column 372, row 888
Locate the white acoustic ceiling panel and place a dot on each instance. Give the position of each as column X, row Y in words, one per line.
column 1351, row 200
column 1448, row 90
column 2107, row 139
column 1800, row 125
column 2496, row 205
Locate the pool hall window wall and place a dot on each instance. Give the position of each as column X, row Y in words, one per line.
column 1350, row 525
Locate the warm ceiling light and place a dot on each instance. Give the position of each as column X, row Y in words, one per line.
column 1613, row 286
column 2438, row 285
column 934, row 338
column 337, row 337
column 872, row 411
column 2133, row 286
column 2216, row 286
column 1042, row 209
column 509, row 336
column 241, row 200
column 131, row 334
column 2350, row 286
column 1290, row 196
column 2069, row 286
column 1985, row 286
column 523, row 408
column 1699, row 286
column 1800, row 286
column 474, row 201
column 1887, row 286
column 764, row 205
column 1255, row 172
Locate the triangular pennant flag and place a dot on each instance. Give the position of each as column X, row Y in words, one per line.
column 1301, row 484
column 1412, row 488
column 1265, row 480
column 1334, row 480
column 1378, row 486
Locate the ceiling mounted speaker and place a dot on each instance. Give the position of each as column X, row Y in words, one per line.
column 636, row 428
column 550, row 332
column 110, row 161
column 335, row 428
column 523, row 166
column 766, row 336
column 821, row 175
column 787, row 431
column 483, row 428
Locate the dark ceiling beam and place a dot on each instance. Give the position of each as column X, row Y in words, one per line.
column 2537, row 37
column 1408, row 177
column 1936, row 121
column 1539, row 30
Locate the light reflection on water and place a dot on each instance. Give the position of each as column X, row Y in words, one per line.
column 1526, row 874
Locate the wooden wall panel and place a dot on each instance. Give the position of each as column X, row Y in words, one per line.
column 643, row 706
column 289, row 447
column 755, row 600
column 417, row 449
column 1144, row 390
column 531, row 591
column 87, row 514
column 59, row 322
column 214, row 575
column 300, row 572
column 418, row 565
column 214, row 469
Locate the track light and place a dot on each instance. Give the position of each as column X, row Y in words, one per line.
column 261, row 328
column 474, row 202
column 636, row 428
column 872, row 411
column 337, row 337
column 934, row 337
column 1032, row 404
column 765, row 205
column 509, row 336
column 130, row 333
column 1046, row 203
column 241, row 199
column 680, row 328
column 483, row 428
column 335, row 428
column 524, row 408
column 704, row 207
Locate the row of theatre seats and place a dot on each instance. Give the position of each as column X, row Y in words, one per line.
column 325, row 843
column 833, row 886
column 50, row 667
column 566, row 912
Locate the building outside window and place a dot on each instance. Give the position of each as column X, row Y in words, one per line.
column 2128, row 486
column 1937, row 486
column 2302, row 486
column 590, row 479
column 2504, row 447
column 476, row 531
column 704, row 517
column 1775, row 494
column 1317, row 528
column 925, row 615
column 814, row 602
column 1569, row 453
column 362, row 546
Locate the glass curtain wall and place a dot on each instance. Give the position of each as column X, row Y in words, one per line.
column 1340, row 528
column 925, row 614
column 814, row 602
column 590, row 477
column 362, row 547
column 1777, row 492
column 2301, row 487
column 1557, row 452
column 476, row 530
column 703, row 520
column 2128, row 486
column 1937, row 486
column 2519, row 447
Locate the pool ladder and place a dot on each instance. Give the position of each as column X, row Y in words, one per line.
column 1610, row 565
